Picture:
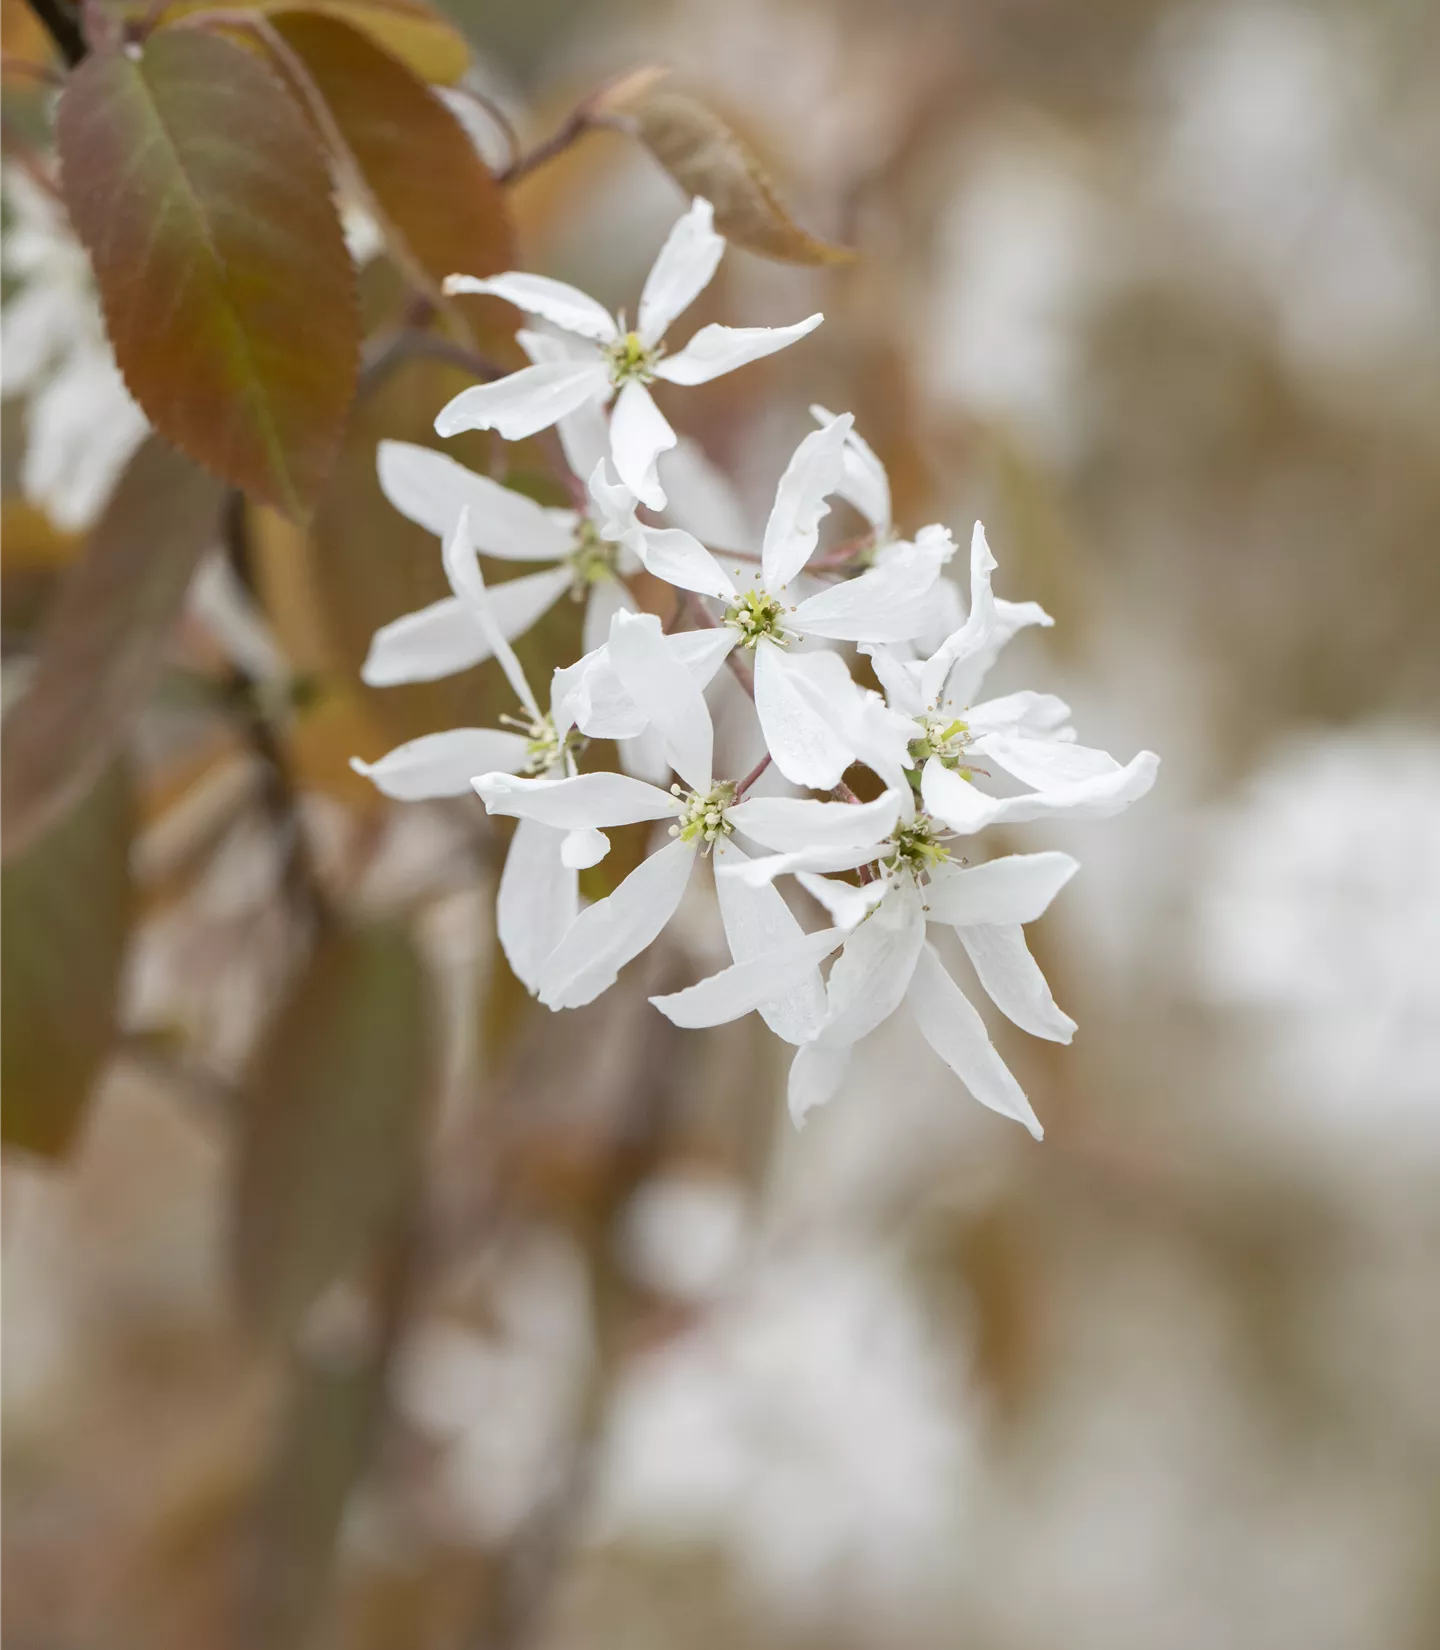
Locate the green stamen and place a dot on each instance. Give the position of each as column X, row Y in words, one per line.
column 703, row 818
column 545, row 750
column 916, row 848
column 757, row 614
column 632, row 361
column 594, row 558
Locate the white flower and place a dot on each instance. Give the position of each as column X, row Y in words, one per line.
column 538, row 896
column 603, row 359
column 82, row 427
column 704, row 815
column 946, row 737
column 887, row 960
column 432, row 490
column 802, row 697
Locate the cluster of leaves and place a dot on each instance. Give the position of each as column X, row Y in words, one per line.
column 203, row 155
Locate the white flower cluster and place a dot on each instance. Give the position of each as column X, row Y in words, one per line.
column 883, row 870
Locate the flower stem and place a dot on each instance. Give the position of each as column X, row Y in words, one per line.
column 752, row 776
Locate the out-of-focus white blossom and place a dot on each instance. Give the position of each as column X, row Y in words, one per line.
column 81, row 425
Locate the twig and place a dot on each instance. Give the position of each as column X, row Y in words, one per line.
column 576, row 124
column 752, row 776
column 62, row 24
column 501, row 119
column 300, row 876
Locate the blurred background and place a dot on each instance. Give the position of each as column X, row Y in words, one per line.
column 1151, row 288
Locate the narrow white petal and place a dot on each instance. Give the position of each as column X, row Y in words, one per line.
column 757, row 873
column 716, row 350
column 607, row 598
column 816, row 1074
column 848, row 903
column 524, row 402
column 886, row 604
column 963, row 683
column 672, row 554
column 805, row 744
column 681, row 272
column 1108, row 792
column 757, row 922
column 949, row 1023
column 899, row 677
column 787, row 823
column 432, row 489
column 442, row 764
column 590, row 694
column 564, row 306
column 865, row 483
column 606, row 935
column 666, row 693
column 462, row 568
column 1014, row 981
column 639, row 433
column 976, row 633
column 446, row 637
column 589, row 799
column 1031, row 713
column 1015, row 889
column 538, row 899
column 643, row 757
column 1047, row 764
column 793, row 528
column 871, row 975
column 745, row 986
column 703, row 651
column 584, row 848
column 955, row 801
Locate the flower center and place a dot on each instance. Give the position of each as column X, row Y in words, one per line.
column 943, row 737
column 544, row 748
column 630, row 360
column 594, row 558
column 703, row 817
column 916, row 848
column 757, row 613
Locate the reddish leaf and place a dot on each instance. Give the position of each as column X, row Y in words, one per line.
column 437, row 200
column 101, row 648
column 334, row 1108
column 202, row 196
column 67, row 903
column 706, row 158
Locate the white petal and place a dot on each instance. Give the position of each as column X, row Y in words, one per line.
column 1013, row 979
column 1109, row 791
column 965, row 809
column 1015, row 889
column 978, row 630
column 949, row 1023
column 563, row 305
column 716, row 350
column 757, row 921
column 446, row 636
column 643, row 757
column 589, row 799
column 813, row 473
column 639, row 434
column 886, row 604
column 590, row 694
column 816, row 1074
column 703, row 651
column 871, row 975
column 666, row 695
column 431, row 489
column 899, row 677
column 1047, row 764
column 584, row 848
column 672, row 554
column 524, row 402
column 807, row 748
column 759, row 872
column 462, row 568
column 745, row 986
column 864, row 483
column 606, row 935
column 538, row 899
column 681, row 272
column 443, row 764
column 1033, row 713
column 787, row 823
column 848, row 903
column 963, row 683
column 607, row 598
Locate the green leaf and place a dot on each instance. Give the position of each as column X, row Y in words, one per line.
column 67, row 909
column 442, row 210
column 101, row 649
column 204, row 201
column 706, row 158
column 333, row 1117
